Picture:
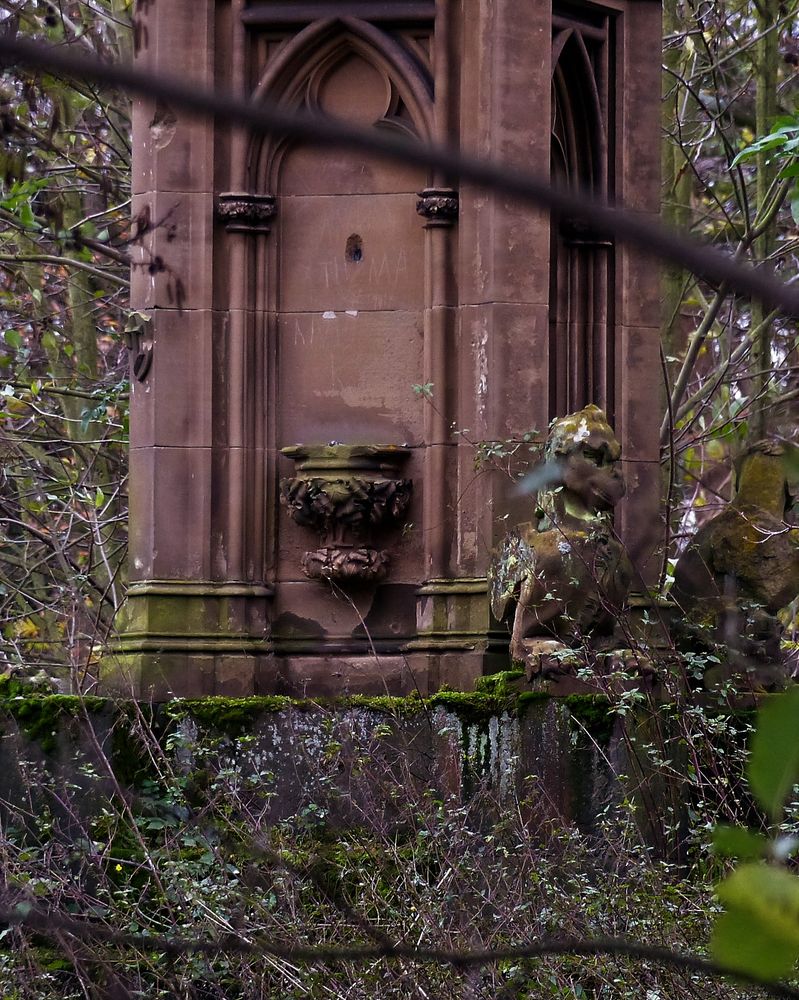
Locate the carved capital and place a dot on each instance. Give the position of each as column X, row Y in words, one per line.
column 246, row 213
column 439, row 206
column 346, row 494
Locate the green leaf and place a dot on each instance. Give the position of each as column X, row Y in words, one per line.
column 783, row 139
column 26, row 216
column 13, row 339
column 774, row 760
column 99, row 497
column 738, row 842
column 759, row 933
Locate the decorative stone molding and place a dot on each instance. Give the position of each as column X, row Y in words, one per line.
column 346, row 493
column 142, row 361
column 439, row 206
column 246, row 213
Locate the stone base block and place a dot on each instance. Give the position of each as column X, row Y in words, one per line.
column 160, row 676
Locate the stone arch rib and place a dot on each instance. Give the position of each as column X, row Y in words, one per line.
column 287, row 76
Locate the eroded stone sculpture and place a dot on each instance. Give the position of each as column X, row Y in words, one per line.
column 742, row 567
column 347, row 494
column 560, row 582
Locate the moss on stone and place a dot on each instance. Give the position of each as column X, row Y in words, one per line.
column 229, row 715
column 234, row 716
column 503, row 683
column 40, row 716
column 472, row 706
column 594, row 713
column 20, row 687
column 526, row 699
column 403, row 707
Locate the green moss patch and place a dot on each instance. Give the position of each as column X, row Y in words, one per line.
column 40, row 716
column 229, row 715
column 503, row 683
column 594, row 713
column 235, row 716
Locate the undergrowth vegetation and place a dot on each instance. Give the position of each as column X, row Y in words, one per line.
column 224, row 852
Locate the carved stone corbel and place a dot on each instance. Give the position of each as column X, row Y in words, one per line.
column 346, row 493
column 439, row 206
column 246, row 213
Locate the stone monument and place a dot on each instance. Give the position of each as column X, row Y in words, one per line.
column 297, row 297
column 563, row 580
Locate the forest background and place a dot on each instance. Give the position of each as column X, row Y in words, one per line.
column 731, row 373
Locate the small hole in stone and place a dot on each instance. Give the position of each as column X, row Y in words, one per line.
column 353, row 252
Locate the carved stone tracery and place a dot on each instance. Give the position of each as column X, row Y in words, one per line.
column 581, row 265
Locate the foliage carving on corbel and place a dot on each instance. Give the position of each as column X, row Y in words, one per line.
column 348, row 494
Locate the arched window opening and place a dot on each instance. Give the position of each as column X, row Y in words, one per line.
column 581, row 265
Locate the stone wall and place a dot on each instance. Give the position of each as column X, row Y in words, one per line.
column 562, row 756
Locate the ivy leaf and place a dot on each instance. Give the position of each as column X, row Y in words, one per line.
column 774, row 759
column 759, row 933
column 738, row 842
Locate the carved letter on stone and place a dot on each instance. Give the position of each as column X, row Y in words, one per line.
column 346, row 493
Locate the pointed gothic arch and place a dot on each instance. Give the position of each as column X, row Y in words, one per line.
column 581, row 266
column 296, row 75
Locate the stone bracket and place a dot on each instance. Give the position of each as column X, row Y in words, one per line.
column 346, row 493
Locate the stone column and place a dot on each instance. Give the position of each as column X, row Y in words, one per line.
column 501, row 354
column 187, row 629
column 639, row 386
